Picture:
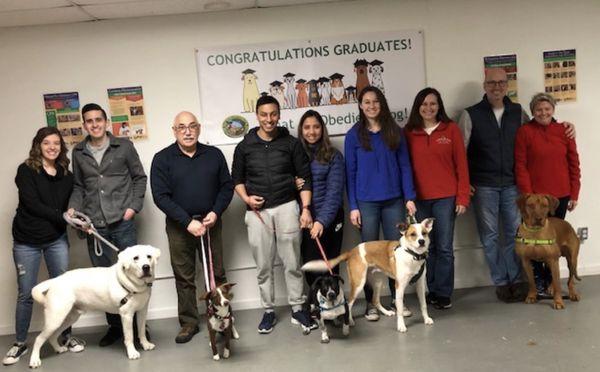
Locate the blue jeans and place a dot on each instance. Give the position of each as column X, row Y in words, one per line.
column 27, row 259
column 123, row 235
column 440, row 261
column 492, row 205
column 386, row 215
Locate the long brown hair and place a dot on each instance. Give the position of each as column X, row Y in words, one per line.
column 325, row 151
column 34, row 160
column 415, row 120
column 390, row 131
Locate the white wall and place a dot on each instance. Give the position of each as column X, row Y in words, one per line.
column 158, row 53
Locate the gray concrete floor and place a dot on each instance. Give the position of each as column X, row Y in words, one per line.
column 478, row 334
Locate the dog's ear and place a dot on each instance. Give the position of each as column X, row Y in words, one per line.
column 124, row 259
column 317, row 282
column 428, row 223
column 339, row 278
column 402, row 227
column 205, row 296
column 228, row 286
column 553, row 203
column 522, row 201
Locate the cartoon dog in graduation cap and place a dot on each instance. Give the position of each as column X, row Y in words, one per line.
column 376, row 71
column 338, row 93
column 250, row 92
column 290, row 89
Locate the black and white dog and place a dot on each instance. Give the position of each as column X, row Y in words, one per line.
column 327, row 302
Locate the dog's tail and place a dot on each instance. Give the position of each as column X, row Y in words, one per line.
column 321, row 266
column 39, row 291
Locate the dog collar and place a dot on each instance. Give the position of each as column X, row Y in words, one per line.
column 529, row 228
column 340, row 301
column 416, row 256
column 211, row 312
column 526, row 241
column 129, row 293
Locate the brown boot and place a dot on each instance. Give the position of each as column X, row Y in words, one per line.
column 186, row 333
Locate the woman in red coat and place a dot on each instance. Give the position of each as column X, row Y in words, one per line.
column 441, row 175
column 547, row 162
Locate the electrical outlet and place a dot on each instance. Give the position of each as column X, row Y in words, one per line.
column 582, row 234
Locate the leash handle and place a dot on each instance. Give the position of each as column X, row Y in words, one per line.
column 82, row 222
column 410, row 219
column 324, row 255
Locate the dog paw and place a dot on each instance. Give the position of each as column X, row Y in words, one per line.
column 388, row 312
column 324, row 339
column 35, row 362
column 225, row 353
column 402, row 329
column 146, row 345
column 133, row 354
column 216, row 357
column 352, row 322
column 427, row 320
column 574, row 296
column 345, row 329
column 531, row 299
column 61, row 349
column 558, row 305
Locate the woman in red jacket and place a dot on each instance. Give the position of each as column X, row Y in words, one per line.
column 547, row 162
column 441, row 174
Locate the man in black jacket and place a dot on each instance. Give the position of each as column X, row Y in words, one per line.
column 265, row 165
column 192, row 186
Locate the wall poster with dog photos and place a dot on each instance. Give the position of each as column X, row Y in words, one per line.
column 127, row 112
column 321, row 74
column 560, row 78
column 62, row 112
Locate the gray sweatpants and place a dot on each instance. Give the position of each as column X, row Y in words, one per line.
column 285, row 242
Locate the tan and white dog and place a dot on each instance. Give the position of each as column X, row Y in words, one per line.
column 403, row 261
column 123, row 289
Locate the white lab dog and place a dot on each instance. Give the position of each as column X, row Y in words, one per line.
column 123, row 289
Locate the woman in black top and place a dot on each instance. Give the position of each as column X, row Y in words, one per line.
column 45, row 185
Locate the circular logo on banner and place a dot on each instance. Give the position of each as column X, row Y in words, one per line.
column 235, row 126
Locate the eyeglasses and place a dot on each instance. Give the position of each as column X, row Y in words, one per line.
column 181, row 128
column 493, row 83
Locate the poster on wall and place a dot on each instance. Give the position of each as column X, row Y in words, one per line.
column 62, row 112
column 508, row 62
column 326, row 75
column 127, row 112
column 560, row 78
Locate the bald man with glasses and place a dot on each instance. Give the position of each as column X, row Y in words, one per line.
column 191, row 184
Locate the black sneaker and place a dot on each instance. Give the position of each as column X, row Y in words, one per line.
column 14, row 353
column 431, row 298
column 302, row 319
column 267, row 323
column 503, row 293
column 443, row 303
column 112, row 335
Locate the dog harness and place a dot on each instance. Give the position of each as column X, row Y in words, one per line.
column 528, row 241
column 222, row 322
column 417, row 257
column 336, row 309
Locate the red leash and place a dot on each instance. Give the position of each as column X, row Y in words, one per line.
column 324, row 255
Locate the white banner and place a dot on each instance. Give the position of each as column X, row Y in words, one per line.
column 325, row 75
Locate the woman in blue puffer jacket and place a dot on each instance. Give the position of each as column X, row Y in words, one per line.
column 328, row 177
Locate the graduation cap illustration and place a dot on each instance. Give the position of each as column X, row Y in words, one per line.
column 361, row 62
column 375, row 62
column 289, row 74
column 300, row 81
column 350, row 88
column 312, row 81
column 336, row 76
column 263, row 94
column 275, row 83
column 323, row 79
column 248, row 71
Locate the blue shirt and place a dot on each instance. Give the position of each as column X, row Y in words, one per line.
column 376, row 175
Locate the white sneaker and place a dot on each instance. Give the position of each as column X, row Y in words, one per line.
column 75, row 345
column 372, row 314
column 14, row 353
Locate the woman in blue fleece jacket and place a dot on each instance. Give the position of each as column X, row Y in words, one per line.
column 327, row 167
column 379, row 175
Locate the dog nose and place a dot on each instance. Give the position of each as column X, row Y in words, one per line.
column 226, row 302
column 421, row 242
column 146, row 268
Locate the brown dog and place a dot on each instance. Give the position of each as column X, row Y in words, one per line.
column 544, row 238
column 219, row 318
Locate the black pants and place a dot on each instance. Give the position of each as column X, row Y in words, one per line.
column 331, row 240
column 541, row 271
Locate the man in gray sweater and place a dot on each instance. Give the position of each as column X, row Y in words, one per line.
column 109, row 187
